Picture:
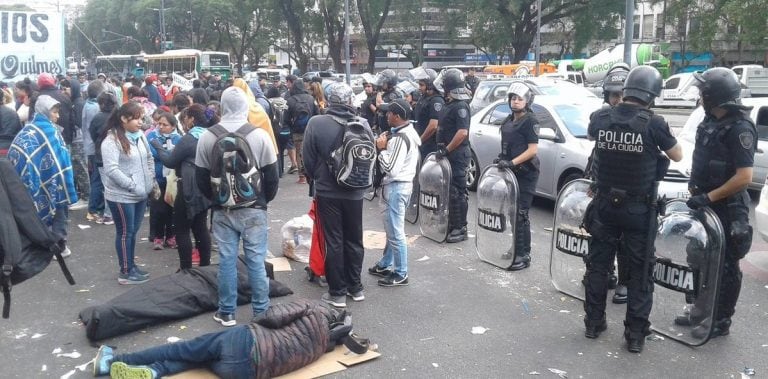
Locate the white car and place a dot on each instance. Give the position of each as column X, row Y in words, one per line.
column 563, row 145
column 675, row 92
column 761, row 213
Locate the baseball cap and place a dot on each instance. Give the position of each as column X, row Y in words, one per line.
column 399, row 107
column 46, row 80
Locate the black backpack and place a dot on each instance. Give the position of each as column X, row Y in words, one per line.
column 353, row 162
column 302, row 112
column 235, row 175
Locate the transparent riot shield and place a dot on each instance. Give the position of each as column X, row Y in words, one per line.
column 690, row 247
column 496, row 214
column 570, row 242
column 434, row 187
column 412, row 212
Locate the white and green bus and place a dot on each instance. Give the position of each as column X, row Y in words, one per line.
column 189, row 63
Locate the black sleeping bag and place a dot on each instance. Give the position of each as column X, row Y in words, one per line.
column 180, row 295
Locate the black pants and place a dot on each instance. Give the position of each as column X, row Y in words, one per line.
column 198, row 225
column 609, row 224
column 160, row 217
column 342, row 222
column 459, row 197
column 526, row 184
column 730, row 280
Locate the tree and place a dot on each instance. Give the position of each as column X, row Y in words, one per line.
column 291, row 11
column 245, row 25
column 373, row 13
column 333, row 22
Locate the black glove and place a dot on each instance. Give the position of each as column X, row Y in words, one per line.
column 156, row 144
column 698, row 201
column 496, row 160
column 505, row 164
column 442, row 151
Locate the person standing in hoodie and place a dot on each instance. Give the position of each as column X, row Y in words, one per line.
column 90, row 109
column 47, row 85
column 98, row 212
column 128, row 179
column 257, row 115
column 301, row 108
column 340, row 210
column 43, row 162
column 79, row 160
column 248, row 224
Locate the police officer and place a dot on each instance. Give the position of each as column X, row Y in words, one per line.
column 519, row 144
column 428, row 111
column 387, row 81
column 722, row 168
column 452, row 143
column 629, row 140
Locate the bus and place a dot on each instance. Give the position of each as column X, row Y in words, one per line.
column 190, row 63
column 121, row 65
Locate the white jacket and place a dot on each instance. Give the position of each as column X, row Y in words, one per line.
column 400, row 160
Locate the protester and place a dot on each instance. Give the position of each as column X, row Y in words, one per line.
column 153, row 94
column 10, row 125
column 47, row 86
column 24, row 91
column 161, row 214
column 98, row 211
column 257, row 115
column 76, row 149
column 139, row 95
column 301, row 108
column 316, row 90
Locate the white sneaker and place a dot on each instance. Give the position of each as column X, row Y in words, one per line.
column 64, row 253
column 80, row 204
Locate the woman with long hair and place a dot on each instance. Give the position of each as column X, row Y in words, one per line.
column 128, row 181
column 190, row 206
column 161, row 227
column 316, row 90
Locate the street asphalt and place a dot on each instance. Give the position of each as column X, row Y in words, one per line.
column 423, row 330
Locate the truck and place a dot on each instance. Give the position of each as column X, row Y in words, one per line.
column 754, row 77
column 597, row 66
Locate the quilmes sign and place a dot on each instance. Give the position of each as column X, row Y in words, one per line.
column 31, row 43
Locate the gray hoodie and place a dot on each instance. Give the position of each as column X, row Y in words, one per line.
column 128, row 178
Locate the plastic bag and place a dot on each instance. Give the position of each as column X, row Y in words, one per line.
column 297, row 238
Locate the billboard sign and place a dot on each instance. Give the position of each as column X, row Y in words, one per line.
column 31, row 43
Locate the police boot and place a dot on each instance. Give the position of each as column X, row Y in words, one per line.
column 594, row 327
column 635, row 340
column 690, row 317
column 620, row 295
column 613, row 280
column 457, row 235
column 521, row 262
column 722, row 327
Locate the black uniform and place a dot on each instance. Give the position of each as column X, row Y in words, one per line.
column 428, row 108
column 722, row 146
column 365, row 109
column 456, row 116
column 381, row 117
column 628, row 140
column 515, row 137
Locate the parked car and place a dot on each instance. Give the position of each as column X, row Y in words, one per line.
column 491, row 90
column 576, row 77
column 761, row 213
column 563, row 145
column 678, row 92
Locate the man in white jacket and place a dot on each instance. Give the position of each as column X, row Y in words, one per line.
column 398, row 159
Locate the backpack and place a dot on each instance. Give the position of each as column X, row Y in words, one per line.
column 353, row 162
column 302, row 113
column 279, row 107
column 235, row 176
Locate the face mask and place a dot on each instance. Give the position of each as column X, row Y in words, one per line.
column 134, row 136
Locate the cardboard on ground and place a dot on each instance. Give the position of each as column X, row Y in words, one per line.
column 337, row 360
column 280, row 264
column 377, row 240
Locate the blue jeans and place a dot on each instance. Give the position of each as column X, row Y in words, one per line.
column 61, row 221
column 229, row 354
column 396, row 195
column 128, row 218
column 229, row 227
column 96, row 197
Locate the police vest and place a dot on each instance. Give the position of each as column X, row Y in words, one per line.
column 712, row 161
column 448, row 123
column 626, row 152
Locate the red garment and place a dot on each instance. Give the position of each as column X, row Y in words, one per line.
column 317, row 248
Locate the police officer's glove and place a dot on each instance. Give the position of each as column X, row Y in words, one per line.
column 505, row 164
column 442, row 151
column 496, row 160
column 698, row 201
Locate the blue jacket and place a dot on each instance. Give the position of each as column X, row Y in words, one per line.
column 172, row 140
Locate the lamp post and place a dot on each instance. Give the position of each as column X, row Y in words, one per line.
column 161, row 12
column 346, row 40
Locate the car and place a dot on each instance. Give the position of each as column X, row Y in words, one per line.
column 491, row 90
column 758, row 114
column 678, row 91
column 761, row 213
column 563, row 145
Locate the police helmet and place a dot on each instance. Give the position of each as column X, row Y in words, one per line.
column 339, row 93
column 521, row 90
column 451, row 82
column 718, row 87
column 614, row 79
column 387, row 77
column 643, row 83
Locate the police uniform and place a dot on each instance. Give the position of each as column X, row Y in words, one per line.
column 722, row 147
column 455, row 117
column 381, row 117
column 428, row 108
column 628, row 142
column 515, row 137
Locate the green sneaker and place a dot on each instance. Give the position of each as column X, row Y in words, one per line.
column 120, row 370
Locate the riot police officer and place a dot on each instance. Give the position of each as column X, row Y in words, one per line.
column 428, row 111
column 387, row 82
column 519, row 144
column 722, row 168
column 453, row 144
column 629, row 140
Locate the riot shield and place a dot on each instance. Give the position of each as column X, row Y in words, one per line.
column 690, row 247
column 496, row 210
column 570, row 242
column 434, row 187
column 412, row 212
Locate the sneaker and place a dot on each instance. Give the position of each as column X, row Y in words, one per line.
column 120, row 370
column 141, row 272
column 380, row 272
column 356, row 296
column 64, row 253
column 195, row 257
column 132, row 277
column 293, row 170
column 102, row 361
column 302, row 180
column 394, row 280
column 336, row 301
column 171, row 243
column 107, row 220
column 226, row 319
column 94, row 217
column 79, row 205
column 157, row 244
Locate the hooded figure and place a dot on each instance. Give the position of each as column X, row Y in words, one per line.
column 260, row 98
column 257, row 116
column 43, row 163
